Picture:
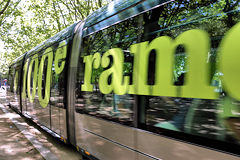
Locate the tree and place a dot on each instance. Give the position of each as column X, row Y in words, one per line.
column 26, row 23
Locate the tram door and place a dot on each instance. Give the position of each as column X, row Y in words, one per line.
column 58, row 90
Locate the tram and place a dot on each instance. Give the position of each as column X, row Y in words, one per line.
column 139, row 79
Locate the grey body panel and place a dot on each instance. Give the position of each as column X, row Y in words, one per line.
column 63, row 123
column 108, row 140
column 37, row 112
column 55, row 119
column 98, row 146
column 58, row 114
column 58, row 121
column 166, row 148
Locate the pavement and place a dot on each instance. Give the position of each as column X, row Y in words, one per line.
column 13, row 144
column 21, row 139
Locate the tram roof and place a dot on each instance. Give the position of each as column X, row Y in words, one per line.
column 112, row 8
column 117, row 11
column 64, row 34
column 17, row 59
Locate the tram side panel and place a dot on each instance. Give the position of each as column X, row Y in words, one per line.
column 196, row 113
column 103, row 122
column 88, row 130
column 36, row 81
column 44, row 83
column 105, row 110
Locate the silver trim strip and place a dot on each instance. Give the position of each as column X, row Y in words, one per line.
column 72, row 71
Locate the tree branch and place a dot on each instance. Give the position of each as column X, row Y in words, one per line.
column 5, row 7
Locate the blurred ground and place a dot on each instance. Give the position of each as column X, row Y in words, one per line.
column 30, row 142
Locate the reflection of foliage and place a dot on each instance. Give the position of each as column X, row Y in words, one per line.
column 171, row 19
column 173, row 13
column 95, row 75
column 199, row 14
column 216, row 17
column 127, row 68
column 179, row 66
column 122, row 35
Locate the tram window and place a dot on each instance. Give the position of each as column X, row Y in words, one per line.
column 201, row 117
column 58, row 79
column 113, row 107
